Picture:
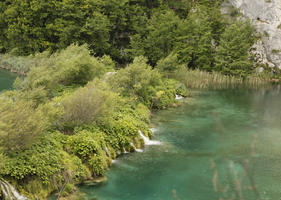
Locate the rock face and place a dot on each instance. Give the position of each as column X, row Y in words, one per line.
column 266, row 16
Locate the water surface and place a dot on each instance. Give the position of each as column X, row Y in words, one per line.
column 6, row 79
column 224, row 144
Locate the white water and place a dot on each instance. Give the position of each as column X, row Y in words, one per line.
column 124, row 150
column 153, row 130
column 10, row 192
column 135, row 148
column 114, row 161
column 147, row 141
column 106, row 151
column 179, row 97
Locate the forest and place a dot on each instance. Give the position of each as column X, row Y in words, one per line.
column 93, row 71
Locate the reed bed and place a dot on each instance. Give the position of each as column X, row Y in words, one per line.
column 197, row 79
column 21, row 64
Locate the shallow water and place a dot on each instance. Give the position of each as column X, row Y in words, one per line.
column 224, row 144
column 6, row 79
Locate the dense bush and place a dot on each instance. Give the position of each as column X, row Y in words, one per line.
column 42, row 159
column 69, row 67
column 20, row 124
column 146, row 84
column 168, row 65
column 86, row 105
column 85, row 143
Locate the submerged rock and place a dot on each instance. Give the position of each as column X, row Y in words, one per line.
column 96, row 181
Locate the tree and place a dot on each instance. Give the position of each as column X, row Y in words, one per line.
column 158, row 42
column 232, row 54
column 38, row 25
column 194, row 47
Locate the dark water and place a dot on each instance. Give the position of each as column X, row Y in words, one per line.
column 6, row 79
column 224, row 145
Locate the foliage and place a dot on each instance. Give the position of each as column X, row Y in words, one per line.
column 215, row 80
column 85, row 143
column 68, row 117
column 70, row 67
column 162, row 31
column 168, row 65
column 86, row 105
column 141, row 81
column 232, row 57
column 22, row 64
column 119, row 131
column 20, row 124
column 42, row 159
column 194, row 48
column 98, row 165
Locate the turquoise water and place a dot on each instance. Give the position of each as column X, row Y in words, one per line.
column 223, row 145
column 6, row 79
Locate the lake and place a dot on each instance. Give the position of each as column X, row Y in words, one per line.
column 223, row 144
column 6, row 79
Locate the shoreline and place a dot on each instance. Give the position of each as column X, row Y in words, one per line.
column 13, row 71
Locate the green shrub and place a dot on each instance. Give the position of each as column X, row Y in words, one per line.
column 147, row 85
column 72, row 66
column 68, row 189
column 84, row 144
column 20, row 124
column 42, row 159
column 98, row 165
column 86, row 105
column 168, row 65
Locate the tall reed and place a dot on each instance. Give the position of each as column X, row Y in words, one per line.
column 21, row 64
column 214, row 80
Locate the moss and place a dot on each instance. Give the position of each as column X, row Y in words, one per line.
column 276, row 51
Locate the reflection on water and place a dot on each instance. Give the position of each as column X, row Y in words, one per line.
column 225, row 145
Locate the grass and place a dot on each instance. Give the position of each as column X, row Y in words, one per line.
column 203, row 80
column 21, row 64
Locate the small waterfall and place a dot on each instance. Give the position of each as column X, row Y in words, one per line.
column 147, row 141
column 114, row 161
column 179, row 97
column 106, row 151
column 124, row 150
column 10, row 192
column 153, row 130
column 134, row 147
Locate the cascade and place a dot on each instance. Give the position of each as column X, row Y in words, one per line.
column 147, row 141
column 10, row 192
column 124, row 150
column 153, row 130
column 179, row 97
column 135, row 148
column 106, row 151
column 114, row 161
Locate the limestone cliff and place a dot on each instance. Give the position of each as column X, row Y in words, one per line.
column 266, row 16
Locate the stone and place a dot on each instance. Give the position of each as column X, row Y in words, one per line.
column 265, row 15
column 96, row 181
